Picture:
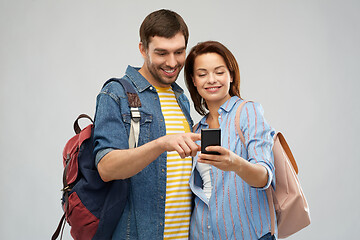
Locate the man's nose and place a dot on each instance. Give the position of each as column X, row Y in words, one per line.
column 171, row 61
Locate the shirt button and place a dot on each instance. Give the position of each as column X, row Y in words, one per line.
column 161, row 224
column 163, row 170
column 151, row 88
column 209, row 227
column 161, row 197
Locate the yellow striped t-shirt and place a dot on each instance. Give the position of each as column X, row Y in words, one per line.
column 178, row 193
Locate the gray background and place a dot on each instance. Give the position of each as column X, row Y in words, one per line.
column 299, row 59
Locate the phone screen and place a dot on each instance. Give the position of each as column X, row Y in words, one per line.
column 210, row 137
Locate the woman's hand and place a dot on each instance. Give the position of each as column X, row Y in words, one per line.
column 255, row 175
column 226, row 161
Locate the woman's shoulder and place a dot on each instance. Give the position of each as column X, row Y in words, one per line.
column 249, row 114
column 248, row 106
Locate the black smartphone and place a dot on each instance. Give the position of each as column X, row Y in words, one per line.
column 210, row 137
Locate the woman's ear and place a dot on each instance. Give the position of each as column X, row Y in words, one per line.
column 193, row 81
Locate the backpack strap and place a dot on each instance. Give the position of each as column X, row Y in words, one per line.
column 287, row 150
column 237, row 121
column 134, row 104
column 268, row 191
column 278, row 136
column 59, row 229
column 77, row 128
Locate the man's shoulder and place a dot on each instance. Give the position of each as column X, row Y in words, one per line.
column 113, row 86
column 131, row 76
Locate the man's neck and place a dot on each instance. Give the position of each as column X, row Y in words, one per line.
column 147, row 75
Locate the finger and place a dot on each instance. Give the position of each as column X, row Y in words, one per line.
column 200, row 160
column 218, row 149
column 208, row 161
column 186, row 147
column 215, row 163
column 179, row 150
column 209, row 157
column 195, row 136
column 194, row 148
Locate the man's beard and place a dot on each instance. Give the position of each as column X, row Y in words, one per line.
column 156, row 73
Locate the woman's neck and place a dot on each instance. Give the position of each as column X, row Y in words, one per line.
column 213, row 116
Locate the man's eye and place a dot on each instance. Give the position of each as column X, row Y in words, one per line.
column 161, row 54
column 179, row 52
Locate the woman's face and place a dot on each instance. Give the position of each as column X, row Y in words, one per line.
column 212, row 78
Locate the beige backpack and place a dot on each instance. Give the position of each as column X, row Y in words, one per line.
column 292, row 210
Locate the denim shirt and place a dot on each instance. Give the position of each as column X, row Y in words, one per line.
column 144, row 212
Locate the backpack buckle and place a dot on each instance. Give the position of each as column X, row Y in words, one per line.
column 66, row 189
column 135, row 114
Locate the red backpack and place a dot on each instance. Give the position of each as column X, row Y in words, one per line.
column 91, row 206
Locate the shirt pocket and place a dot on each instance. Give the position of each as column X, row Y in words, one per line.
column 145, row 124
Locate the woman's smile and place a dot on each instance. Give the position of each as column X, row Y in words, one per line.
column 213, row 89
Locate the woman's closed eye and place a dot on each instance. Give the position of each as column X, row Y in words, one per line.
column 201, row 74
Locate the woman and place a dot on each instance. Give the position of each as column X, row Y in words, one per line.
column 230, row 198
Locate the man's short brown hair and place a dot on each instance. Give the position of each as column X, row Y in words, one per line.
column 162, row 23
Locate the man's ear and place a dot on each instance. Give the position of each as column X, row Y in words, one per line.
column 142, row 49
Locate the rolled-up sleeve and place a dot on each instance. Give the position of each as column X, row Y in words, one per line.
column 258, row 136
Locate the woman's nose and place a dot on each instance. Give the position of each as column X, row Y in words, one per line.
column 212, row 79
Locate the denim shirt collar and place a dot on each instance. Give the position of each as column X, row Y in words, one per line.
column 226, row 107
column 142, row 84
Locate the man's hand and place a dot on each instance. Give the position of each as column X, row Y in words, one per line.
column 125, row 163
column 183, row 143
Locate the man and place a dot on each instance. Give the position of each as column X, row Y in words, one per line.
column 159, row 202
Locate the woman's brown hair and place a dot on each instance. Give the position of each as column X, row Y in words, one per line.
column 231, row 64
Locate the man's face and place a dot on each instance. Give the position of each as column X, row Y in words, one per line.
column 164, row 59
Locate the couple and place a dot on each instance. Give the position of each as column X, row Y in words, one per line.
column 176, row 192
